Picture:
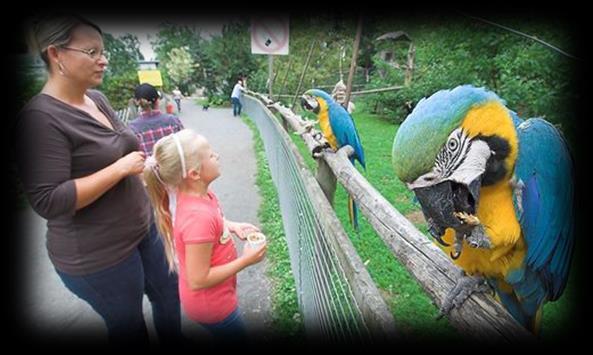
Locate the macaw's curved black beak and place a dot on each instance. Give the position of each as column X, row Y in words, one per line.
column 439, row 203
column 310, row 104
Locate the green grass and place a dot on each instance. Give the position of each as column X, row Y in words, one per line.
column 286, row 319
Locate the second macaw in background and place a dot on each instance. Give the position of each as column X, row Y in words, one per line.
column 337, row 126
column 497, row 193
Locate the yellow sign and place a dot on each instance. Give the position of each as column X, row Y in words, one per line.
column 153, row 77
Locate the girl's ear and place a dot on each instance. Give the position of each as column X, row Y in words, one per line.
column 193, row 174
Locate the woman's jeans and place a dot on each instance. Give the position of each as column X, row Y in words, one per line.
column 229, row 330
column 116, row 294
column 236, row 106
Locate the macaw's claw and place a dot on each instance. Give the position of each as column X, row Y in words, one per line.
column 316, row 152
column 465, row 287
column 458, row 245
column 473, row 231
column 478, row 238
column 467, row 218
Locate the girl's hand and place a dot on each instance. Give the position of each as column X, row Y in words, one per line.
column 254, row 256
column 241, row 230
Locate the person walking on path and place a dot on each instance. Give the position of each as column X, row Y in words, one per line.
column 236, row 97
column 152, row 125
column 197, row 236
column 177, row 96
column 79, row 167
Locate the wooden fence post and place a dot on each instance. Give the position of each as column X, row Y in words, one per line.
column 326, row 179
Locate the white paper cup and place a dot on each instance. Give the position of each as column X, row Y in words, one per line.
column 256, row 239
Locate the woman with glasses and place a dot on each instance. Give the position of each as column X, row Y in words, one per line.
column 79, row 166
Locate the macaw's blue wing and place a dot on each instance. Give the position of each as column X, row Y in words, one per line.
column 345, row 131
column 544, row 209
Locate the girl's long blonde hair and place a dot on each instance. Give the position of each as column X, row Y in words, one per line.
column 166, row 173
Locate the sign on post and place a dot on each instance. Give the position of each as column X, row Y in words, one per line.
column 152, row 77
column 270, row 35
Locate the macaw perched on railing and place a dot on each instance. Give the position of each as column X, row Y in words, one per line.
column 337, row 127
column 497, row 193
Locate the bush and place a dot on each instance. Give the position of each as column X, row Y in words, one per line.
column 219, row 100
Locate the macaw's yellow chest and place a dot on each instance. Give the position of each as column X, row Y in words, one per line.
column 325, row 126
column 497, row 215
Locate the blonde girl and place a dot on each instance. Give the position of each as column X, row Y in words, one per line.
column 197, row 237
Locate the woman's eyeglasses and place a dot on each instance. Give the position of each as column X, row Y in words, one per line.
column 93, row 53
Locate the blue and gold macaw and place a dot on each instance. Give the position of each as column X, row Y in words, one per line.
column 337, row 126
column 497, row 193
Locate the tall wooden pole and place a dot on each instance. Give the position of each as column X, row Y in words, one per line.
column 353, row 62
column 296, row 94
column 270, row 75
column 286, row 76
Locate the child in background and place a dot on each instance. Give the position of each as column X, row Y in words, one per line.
column 197, row 237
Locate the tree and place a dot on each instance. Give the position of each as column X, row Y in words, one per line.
column 172, row 36
column 226, row 57
column 123, row 54
column 121, row 76
column 180, row 67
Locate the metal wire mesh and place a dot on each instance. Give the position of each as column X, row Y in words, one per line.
column 325, row 296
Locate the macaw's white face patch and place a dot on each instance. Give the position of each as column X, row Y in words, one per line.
column 461, row 159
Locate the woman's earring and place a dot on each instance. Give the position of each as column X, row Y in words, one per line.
column 60, row 68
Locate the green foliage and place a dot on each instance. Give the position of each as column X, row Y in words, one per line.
column 533, row 79
column 123, row 54
column 229, row 57
column 172, row 36
column 121, row 77
column 331, row 40
column 30, row 81
column 120, row 89
column 180, row 66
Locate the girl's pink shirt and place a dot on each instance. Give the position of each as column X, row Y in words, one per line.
column 200, row 220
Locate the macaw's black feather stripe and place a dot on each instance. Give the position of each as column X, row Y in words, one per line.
column 495, row 167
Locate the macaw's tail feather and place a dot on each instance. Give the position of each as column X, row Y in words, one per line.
column 526, row 312
column 353, row 213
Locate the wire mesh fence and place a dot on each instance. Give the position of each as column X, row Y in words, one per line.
column 325, row 295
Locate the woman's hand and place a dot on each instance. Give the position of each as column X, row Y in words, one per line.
column 91, row 187
column 241, row 230
column 132, row 164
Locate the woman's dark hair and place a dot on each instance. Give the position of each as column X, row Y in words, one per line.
column 55, row 30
